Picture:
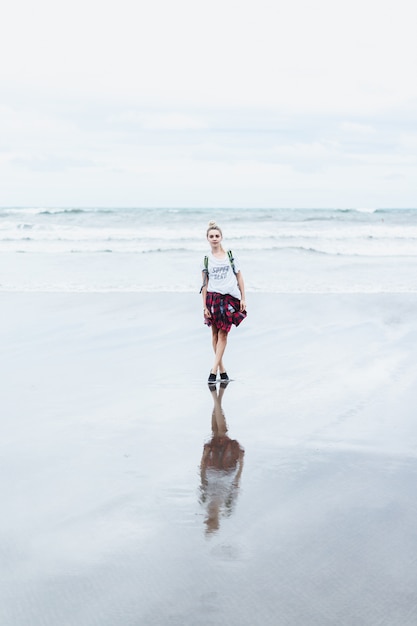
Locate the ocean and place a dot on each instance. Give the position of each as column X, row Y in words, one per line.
column 148, row 250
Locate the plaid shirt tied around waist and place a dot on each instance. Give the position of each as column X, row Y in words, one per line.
column 224, row 309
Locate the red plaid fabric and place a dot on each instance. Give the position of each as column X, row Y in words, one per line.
column 224, row 309
column 222, row 453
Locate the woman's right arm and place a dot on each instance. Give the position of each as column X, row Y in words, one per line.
column 204, row 293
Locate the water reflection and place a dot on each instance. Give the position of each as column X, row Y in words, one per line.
column 221, row 467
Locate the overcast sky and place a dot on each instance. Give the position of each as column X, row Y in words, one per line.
column 307, row 103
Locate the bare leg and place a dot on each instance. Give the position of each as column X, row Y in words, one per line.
column 214, row 337
column 219, row 351
column 214, row 340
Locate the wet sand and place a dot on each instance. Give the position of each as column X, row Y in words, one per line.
column 108, row 519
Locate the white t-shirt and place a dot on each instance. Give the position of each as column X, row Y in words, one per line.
column 221, row 277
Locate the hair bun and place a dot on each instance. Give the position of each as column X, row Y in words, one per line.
column 212, row 224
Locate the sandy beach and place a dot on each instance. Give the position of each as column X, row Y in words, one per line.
column 105, row 414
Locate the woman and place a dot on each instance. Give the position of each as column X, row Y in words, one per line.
column 223, row 293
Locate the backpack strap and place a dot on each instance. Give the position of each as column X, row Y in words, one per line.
column 232, row 261
column 205, row 270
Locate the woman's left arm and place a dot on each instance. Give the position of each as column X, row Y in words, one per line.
column 241, row 285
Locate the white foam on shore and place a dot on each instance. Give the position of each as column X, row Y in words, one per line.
column 268, row 273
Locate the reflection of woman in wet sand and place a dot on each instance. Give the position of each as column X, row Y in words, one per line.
column 221, row 467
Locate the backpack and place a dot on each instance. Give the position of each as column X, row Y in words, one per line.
column 205, row 270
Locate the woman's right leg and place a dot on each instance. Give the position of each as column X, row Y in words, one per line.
column 219, row 345
column 214, row 337
column 214, row 340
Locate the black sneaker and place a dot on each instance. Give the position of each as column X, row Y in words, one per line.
column 224, row 376
column 212, row 378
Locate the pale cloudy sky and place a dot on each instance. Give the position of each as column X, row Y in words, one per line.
column 216, row 104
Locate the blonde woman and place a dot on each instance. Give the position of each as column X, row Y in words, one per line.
column 223, row 292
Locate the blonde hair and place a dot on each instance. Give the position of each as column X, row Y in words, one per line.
column 213, row 226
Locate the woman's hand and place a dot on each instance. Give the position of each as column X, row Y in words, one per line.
column 242, row 305
column 206, row 312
